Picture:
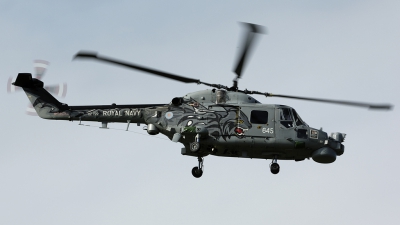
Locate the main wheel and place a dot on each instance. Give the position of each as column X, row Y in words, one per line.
column 196, row 172
column 274, row 168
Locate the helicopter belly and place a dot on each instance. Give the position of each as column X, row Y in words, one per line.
column 234, row 146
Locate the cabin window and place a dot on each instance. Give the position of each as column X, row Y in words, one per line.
column 286, row 118
column 259, row 117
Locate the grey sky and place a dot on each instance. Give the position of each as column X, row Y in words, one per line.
column 54, row 172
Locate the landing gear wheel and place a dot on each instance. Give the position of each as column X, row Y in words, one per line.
column 194, row 146
column 274, row 168
column 196, row 172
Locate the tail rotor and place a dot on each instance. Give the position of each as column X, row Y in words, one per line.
column 40, row 67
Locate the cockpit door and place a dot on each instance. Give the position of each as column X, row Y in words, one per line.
column 290, row 123
column 285, row 118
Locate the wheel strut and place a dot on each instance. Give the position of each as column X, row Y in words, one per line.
column 201, row 160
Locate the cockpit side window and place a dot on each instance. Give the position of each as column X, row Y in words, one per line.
column 286, row 117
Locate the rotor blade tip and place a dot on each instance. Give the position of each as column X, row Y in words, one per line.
column 85, row 54
column 255, row 28
column 381, row 107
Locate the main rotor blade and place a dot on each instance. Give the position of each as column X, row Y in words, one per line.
column 94, row 55
column 253, row 29
column 359, row 104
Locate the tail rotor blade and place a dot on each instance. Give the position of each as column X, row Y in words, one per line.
column 59, row 89
column 40, row 67
column 11, row 88
column 30, row 110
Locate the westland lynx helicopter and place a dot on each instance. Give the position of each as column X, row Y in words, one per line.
column 224, row 121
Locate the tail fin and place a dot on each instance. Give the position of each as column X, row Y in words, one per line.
column 43, row 102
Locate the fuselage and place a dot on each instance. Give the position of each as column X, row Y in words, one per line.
column 235, row 124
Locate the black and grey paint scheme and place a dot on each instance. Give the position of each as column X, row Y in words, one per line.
column 224, row 123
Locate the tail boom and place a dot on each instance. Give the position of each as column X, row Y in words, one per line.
column 48, row 107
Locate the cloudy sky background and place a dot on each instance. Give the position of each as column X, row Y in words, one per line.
column 56, row 172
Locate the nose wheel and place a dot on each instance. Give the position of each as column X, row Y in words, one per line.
column 198, row 170
column 274, row 166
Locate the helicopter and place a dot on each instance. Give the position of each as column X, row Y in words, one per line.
column 222, row 121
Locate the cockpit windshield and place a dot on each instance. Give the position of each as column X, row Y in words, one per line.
column 297, row 119
column 289, row 117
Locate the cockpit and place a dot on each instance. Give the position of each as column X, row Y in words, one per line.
column 289, row 118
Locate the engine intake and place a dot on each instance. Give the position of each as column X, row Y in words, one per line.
column 177, row 101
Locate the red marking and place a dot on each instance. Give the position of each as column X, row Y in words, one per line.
column 239, row 130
